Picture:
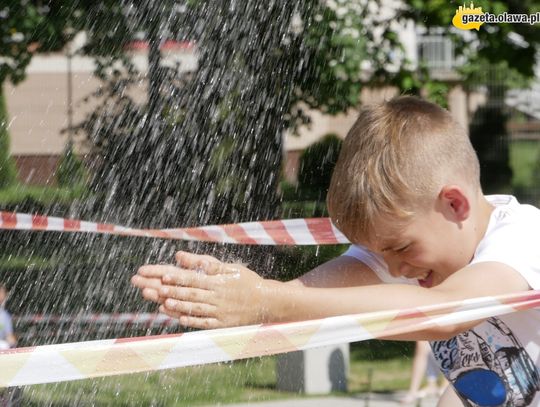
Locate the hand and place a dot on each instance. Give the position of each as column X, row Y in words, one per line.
column 149, row 281
column 150, row 286
column 203, row 292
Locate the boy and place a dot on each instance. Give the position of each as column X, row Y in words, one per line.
column 406, row 193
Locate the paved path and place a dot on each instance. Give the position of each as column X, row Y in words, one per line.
column 360, row 400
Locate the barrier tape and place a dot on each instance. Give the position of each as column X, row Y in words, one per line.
column 149, row 319
column 83, row 360
column 314, row 231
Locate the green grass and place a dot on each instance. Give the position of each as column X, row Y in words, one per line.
column 243, row 381
column 387, row 375
column 22, row 262
column 524, row 156
column 227, row 382
column 43, row 195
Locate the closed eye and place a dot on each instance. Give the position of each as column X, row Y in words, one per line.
column 402, row 249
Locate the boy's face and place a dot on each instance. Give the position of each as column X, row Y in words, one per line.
column 429, row 248
column 3, row 295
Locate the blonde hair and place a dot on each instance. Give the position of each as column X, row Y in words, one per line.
column 393, row 163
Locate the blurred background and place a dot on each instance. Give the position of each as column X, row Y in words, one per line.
column 197, row 112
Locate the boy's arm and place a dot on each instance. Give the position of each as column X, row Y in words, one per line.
column 342, row 271
column 229, row 295
column 479, row 280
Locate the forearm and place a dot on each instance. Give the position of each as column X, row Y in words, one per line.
column 286, row 303
column 231, row 295
column 342, row 271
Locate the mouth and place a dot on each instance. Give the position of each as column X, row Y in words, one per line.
column 426, row 280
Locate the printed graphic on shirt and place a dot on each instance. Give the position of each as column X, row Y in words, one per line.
column 488, row 366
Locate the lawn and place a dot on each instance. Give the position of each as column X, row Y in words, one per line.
column 524, row 156
column 38, row 194
column 243, row 381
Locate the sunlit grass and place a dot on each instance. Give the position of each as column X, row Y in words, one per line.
column 40, row 194
column 244, row 381
column 22, row 262
column 227, row 382
column 386, row 375
column 524, row 157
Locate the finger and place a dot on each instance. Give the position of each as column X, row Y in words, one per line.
column 186, row 294
column 199, row 323
column 207, row 264
column 201, row 262
column 187, row 278
column 172, row 314
column 144, row 282
column 192, row 260
column 190, row 308
column 152, row 295
column 156, row 270
column 230, row 269
column 191, row 321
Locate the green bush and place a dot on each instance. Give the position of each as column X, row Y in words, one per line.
column 71, row 172
column 534, row 190
column 316, row 165
column 294, row 261
column 37, row 199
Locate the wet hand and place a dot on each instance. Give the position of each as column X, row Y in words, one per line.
column 203, row 292
column 148, row 280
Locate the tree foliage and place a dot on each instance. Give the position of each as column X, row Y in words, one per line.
column 213, row 142
column 28, row 27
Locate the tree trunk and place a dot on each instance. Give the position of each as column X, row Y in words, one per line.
column 8, row 171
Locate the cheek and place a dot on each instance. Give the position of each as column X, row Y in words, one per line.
column 421, row 256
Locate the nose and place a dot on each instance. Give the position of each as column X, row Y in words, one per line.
column 398, row 268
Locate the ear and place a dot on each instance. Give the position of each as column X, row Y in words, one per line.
column 455, row 202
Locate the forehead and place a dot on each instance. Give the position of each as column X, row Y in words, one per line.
column 385, row 231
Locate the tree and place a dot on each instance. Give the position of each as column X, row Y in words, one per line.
column 8, row 172
column 16, row 50
column 221, row 132
column 316, row 166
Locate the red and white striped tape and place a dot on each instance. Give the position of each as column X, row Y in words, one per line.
column 51, row 363
column 314, row 231
column 83, row 360
column 149, row 319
